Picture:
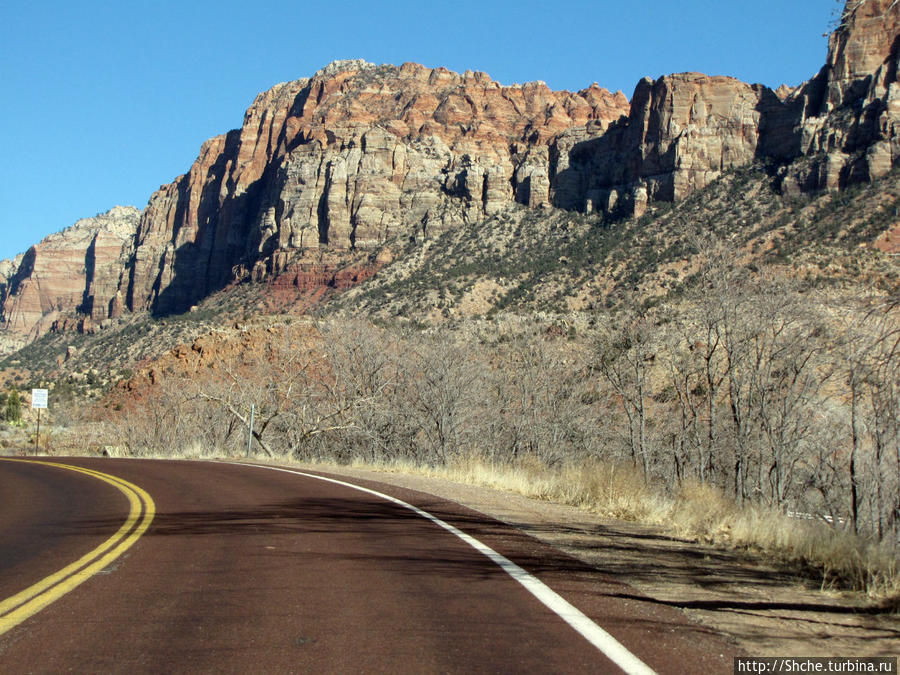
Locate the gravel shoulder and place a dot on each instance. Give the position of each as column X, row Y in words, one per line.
column 762, row 609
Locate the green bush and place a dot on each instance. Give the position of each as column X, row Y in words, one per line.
column 12, row 411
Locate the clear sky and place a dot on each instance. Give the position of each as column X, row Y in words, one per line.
column 103, row 101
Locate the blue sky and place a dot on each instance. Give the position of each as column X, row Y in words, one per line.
column 105, row 101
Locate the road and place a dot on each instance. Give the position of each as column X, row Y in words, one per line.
column 248, row 569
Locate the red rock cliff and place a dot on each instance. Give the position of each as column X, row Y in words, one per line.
column 359, row 154
column 352, row 157
column 81, row 268
column 847, row 118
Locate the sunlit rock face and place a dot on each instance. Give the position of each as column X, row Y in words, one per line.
column 350, row 158
column 80, row 268
column 360, row 155
column 846, row 118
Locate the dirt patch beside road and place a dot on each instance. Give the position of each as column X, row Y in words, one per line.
column 763, row 609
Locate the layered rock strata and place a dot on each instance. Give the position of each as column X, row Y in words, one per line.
column 359, row 155
column 847, row 118
column 81, row 268
column 684, row 130
column 351, row 158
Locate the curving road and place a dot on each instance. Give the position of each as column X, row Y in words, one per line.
column 253, row 570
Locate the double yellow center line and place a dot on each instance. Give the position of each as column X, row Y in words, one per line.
column 14, row 610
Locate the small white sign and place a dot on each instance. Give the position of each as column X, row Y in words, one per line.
column 39, row 398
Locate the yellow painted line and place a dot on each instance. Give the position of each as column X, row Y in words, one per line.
column 14, row 610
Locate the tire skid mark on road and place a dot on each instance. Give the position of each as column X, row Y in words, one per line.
column 584, row 625
column 15, row 609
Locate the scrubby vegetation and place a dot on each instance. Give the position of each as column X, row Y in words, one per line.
column 752, row 411
column 556, row 263
column 726, row 366
column 12, row 406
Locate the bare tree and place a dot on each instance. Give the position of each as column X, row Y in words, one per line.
column 366, row 365
column 287, row 384
column 442, row 381
column 787, row 389
column 541, row 386
column 624, row 356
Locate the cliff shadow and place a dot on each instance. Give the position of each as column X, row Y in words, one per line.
column 602, row 172
column 594, row 167
column 224, row 236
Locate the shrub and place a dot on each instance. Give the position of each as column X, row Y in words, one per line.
column 12, row 412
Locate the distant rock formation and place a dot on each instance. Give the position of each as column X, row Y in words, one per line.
column 847, row 118
column 80, row 269
column 683, row 130
column 350, row 158
column 358, row 155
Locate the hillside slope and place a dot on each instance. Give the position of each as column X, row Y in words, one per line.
column 359, row 157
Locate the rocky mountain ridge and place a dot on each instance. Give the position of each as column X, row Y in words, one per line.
column 66, row 272
column 359, row 156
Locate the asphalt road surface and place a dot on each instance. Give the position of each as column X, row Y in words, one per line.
column 175, row 566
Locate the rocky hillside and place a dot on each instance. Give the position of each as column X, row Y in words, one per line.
column 566, row 266
column 548, row 267
column 68, row 272
column 360, row 157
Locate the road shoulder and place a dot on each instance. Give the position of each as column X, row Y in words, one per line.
column 762, row 609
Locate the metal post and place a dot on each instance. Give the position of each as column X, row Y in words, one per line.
column 250, row 435
column 37, row 437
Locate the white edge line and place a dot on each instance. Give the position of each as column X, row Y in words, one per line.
column 606, row 643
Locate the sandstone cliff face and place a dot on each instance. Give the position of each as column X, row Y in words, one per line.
column 862, row 51
column 681, row 132
column 350, row 158
column 359, row 155
column 847, row 118
column 81, row 268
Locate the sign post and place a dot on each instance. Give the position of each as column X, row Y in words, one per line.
column 39, row 401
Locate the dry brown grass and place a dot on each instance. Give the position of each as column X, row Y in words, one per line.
column 835, row 558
